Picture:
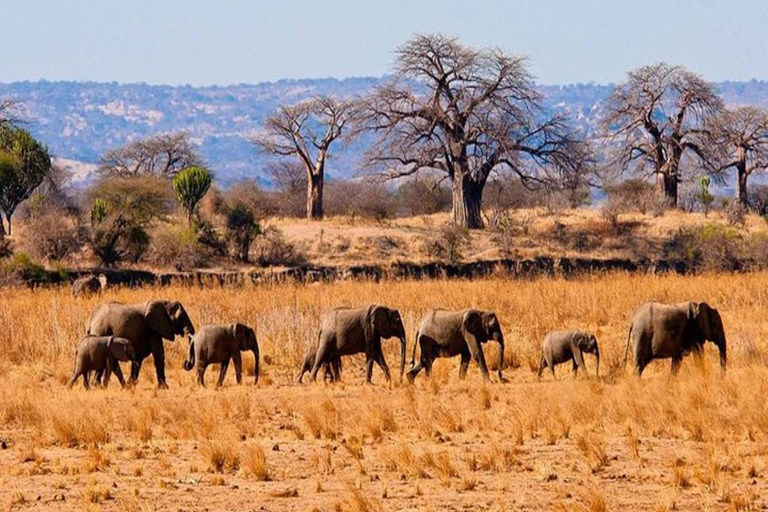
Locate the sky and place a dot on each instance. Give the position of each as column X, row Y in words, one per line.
column 222, row 42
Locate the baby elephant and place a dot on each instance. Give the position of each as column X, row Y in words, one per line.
column 218, row 344
column 100, row 354
column 563, row 346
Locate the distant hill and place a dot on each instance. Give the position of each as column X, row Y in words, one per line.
column 81, row 120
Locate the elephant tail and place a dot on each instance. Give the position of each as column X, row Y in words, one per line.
column 626, row 350
column 190, row 362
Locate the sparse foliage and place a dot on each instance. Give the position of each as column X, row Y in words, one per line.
column 737, row 139
column 306, row 131
column 162, row 156
column 655, row 119
column 468, row 113
column 703, row 195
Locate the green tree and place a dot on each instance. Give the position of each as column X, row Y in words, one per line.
column 24, row 164
column 703, row 195
column 122, row 211
column 242, row 228
column 190, row 186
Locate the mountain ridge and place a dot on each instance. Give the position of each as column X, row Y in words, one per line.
column 81, row 120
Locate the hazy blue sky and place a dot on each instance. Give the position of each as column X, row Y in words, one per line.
column 233, row 41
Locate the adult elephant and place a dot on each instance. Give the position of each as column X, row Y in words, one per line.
column 345, row 332
column 664, row 331
column 451, row 333
column 146, row 325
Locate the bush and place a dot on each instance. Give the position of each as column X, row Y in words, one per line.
column 712, row 248
column 21, row 269
column 359, row 198
column 51, row 236
column 248, row 194
column 735, row 213
column 424, row 196
column 178, row 247
column 636, row 195
column 758, row 199
column 273, row 250
column 449, row 243
column 242, row 227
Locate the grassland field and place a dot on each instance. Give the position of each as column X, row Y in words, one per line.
column 695, row 442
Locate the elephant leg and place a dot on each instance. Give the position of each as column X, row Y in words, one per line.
column 223, row 372
column 427, row 363
column 477, row 354
column 135, row 369
column 85, row 381
column 368, row 369
column 542, row 365
column 383, row 364
column 465, row 358
column 336, row 369
column 237, row 360
column 676, row 362
column 119, row 374
column 72, row 379
column 100, row 381
column 324, row 355
column 158, row 354
column 413, row 372
column 574, row 369
column 201, row 372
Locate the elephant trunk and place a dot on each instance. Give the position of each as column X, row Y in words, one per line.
column 190, row 362
column 723, row 355
column 256, row 364
column 402, row 357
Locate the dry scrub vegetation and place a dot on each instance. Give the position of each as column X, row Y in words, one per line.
column 695, row 443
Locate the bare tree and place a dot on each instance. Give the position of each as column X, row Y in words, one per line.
column 306, row 130
column 290, row 179
column 655, row 118
column 163, row 155
column 9, row 112
column 467, row 113
column 738, row 139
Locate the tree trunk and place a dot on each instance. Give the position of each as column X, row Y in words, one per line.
column 2, row 226
column 8, row 217
column 666, row 183
column 315, row 195
column 467, row 202
column 742, row 194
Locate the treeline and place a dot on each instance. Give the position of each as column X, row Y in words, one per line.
column 456, row 128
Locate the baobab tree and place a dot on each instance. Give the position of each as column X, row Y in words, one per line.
column 468, row 113
column 738, row 139
column 163, row 156
column 306, row 131
column 654, row 120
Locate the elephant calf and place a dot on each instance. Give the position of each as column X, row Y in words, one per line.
column 218, row 344
column 452, row 333
column 331, row 371
column 563, row 346
column 100, row 354
column 89, row 284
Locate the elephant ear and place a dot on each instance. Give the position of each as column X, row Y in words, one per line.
column 372, row 320
column 704, row 319
column 579, row 340
column 240, row 333
column 474, row 323
column 159, row 319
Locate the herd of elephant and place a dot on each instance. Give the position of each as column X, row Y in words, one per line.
column 118, row 332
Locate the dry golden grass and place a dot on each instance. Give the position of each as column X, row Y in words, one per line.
column 695, row 442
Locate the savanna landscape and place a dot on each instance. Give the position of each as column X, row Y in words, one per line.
column 184, row 226
column 692, row 442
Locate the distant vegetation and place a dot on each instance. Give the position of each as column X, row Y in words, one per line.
column 454, row 128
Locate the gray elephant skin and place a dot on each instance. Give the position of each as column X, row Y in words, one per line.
column 345, row 332
column 88, row 285
column 451, row 333
column 664, row 331
column 218, row 344
column 100, row 354
column 332, row 371
column 145, row 325
column 562, row 346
